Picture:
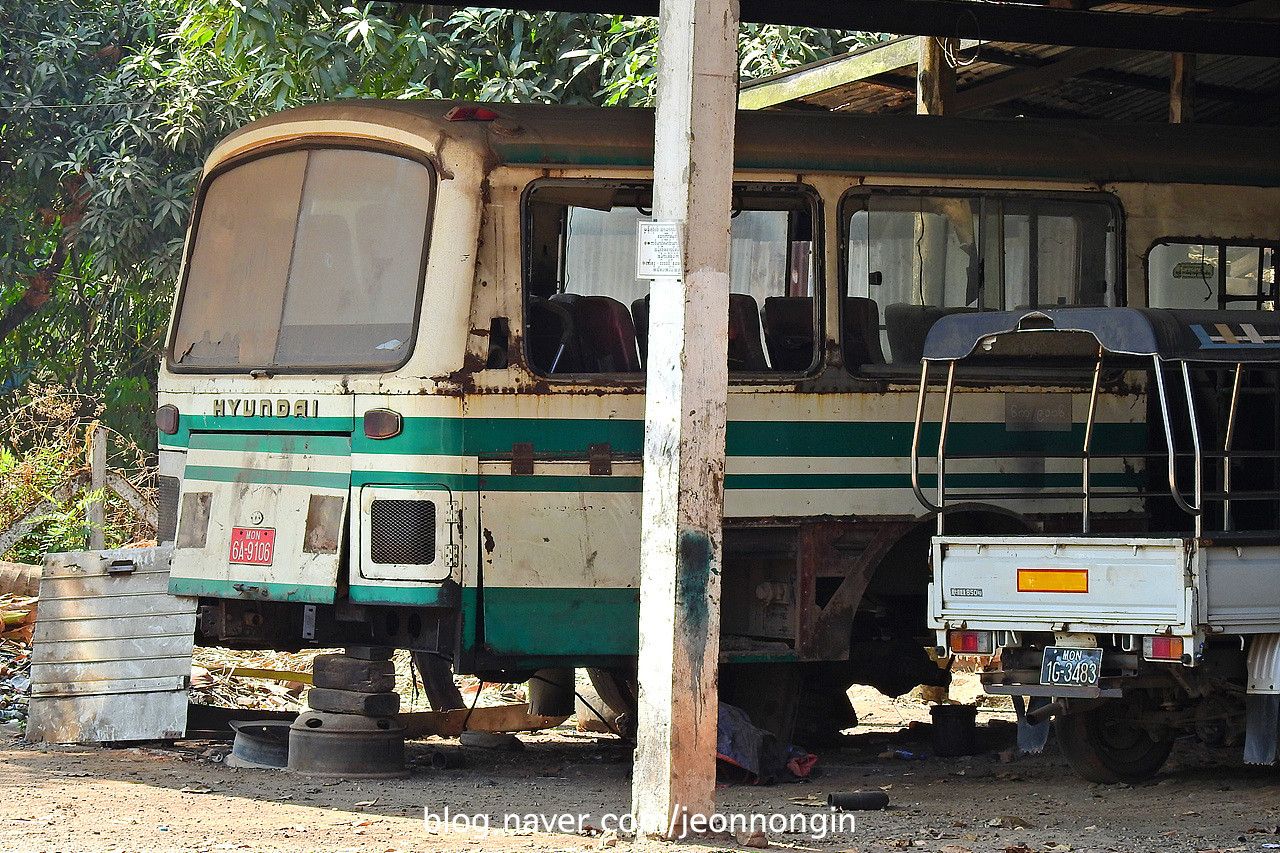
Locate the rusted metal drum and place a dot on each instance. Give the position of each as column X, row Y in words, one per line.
column 351, row 746
column 263, row 744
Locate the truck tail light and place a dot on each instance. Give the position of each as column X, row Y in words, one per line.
column 972, row 642
column 1162, row 648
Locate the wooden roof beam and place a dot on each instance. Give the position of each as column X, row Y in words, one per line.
column 828, row 74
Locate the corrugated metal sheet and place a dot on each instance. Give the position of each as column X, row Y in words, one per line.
column 111, row 656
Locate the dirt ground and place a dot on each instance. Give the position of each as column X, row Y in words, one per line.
column 181, row 797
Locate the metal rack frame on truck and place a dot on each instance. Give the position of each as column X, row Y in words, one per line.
column 1159, row 617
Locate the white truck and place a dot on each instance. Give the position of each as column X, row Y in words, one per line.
column 1149, row 607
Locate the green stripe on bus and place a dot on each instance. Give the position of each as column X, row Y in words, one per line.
column 252, row 590
column 439, row 436
column 561, row 621
column 487, row 436
column 267, row 477
column 314, row 445
column 421, row 596
column 571, row 436
column 1011, row 480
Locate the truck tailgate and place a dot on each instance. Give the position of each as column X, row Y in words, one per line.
column 1076, row 583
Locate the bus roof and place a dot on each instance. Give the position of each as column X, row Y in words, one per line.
column 811, row 142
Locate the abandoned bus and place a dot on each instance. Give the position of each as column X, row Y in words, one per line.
column 402, row 399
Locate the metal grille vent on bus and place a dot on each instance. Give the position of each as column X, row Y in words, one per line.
column 402, row 533
column 167, row 506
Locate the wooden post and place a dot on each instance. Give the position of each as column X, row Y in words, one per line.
column 680, row 549
column 97, row 483
column 935, row 79
column 1182, row 88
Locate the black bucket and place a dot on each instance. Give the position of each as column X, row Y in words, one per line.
column 954, row 730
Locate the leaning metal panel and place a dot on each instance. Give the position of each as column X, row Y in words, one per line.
column 111, row 656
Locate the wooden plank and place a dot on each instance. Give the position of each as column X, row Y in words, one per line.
column 1182, row 88
column 935, row 79
column 829, row 74
column 97, row 483
column 19, row 578
column 499, row 718
column 265, row 674
column 134, row 498
column 682, row 507
column 23, row 525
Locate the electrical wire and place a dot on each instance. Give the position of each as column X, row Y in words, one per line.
column 474, row 701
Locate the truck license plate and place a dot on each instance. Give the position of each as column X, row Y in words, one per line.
column 252, row 545
column 1070, row 667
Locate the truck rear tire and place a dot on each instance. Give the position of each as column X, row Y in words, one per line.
column 1103, row 745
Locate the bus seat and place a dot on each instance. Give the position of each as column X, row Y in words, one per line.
column 606, row 335
column 906, row 326
column 549, row 337
column 640, row 317
column 860, row 332
column 746, row 352
column 788, row 331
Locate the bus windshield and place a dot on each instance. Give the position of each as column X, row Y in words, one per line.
column 305, row 260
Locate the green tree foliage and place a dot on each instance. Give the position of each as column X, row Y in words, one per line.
column 105, row 116
column 107, row 110
column 290, row 52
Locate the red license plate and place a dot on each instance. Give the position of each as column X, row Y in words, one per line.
column 252, row 545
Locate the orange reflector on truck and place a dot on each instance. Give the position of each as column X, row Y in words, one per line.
column 1053, row 580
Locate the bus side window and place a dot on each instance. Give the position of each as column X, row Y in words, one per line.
column 580, row 244
column 1211, row 274
column 923, row 255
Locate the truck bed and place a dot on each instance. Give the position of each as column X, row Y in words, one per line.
column 1081, row 583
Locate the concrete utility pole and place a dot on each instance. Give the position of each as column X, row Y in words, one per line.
column 680, row 549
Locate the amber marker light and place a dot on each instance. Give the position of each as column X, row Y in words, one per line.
column 167, row 419
column 382, row 423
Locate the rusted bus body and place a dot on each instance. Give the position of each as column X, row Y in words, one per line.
column 409, row 352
